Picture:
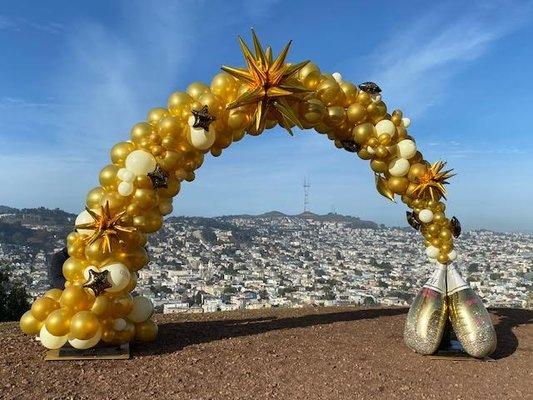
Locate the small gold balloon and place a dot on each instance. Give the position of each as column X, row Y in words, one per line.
column 363, row 132
column 312, row 110
column 155, row 114
column 364, row 98
column 29, row 324
column 42, row 307
column 335, row 115
column 329, row 92
column 141, row 131
column 379, row 166
column 196, row 89
column 84, row 325
column 108, row 177
column 125, row 335
column 120, row 151
column 356, row 113
column 377, row 110
column 364, row 154
column 146, row 331
column 122, row 306
column 58, row 322
column 398, row 184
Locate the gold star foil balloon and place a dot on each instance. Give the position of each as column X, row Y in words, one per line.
column 270, row 83
column 432, row 182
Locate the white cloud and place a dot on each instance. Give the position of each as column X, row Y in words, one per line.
column 417, row 65
column 18, row 24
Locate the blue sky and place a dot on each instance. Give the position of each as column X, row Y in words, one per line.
column 75, row 76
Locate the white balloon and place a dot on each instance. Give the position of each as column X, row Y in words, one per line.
column 425, row 216
column 140, row 162
column 386, row 127
column 84, row 218
column 452, row 255
column 406, row 122
column 125, row 175
column 432, row 251
column 399, row 167
column 201, row 139
column 406, row 149
column 125, row 188
column 87, row 343
column 337, row 76
column 118, row 276
column 119, row 324
column 50, row 341
column 191, row 120
column 142, row 309
column 370, row 149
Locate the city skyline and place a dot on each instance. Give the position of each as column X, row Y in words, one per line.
column 80, row 76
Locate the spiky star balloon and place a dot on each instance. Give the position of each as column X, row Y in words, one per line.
column 433, row 181
column 270, row 83
column 105, row 225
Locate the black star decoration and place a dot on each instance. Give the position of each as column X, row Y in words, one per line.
column 370, row 88
column 159, row 178
column 202, row 118
column 351, row 146
column 97, row 282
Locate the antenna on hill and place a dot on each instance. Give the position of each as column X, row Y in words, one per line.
column 307, row 185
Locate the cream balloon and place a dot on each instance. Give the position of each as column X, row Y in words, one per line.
column 406, row 149
column 125, row 175
column 50, row 341
column 142, row 309
column 452, row 255
column 119, row 324
column 85, row 218
column 425, row 216
column 140, row 162
column 118, row 276
column 399, row 167
column 406, row 122
column 88, row 343
column 386, row 127
column 337, row 76
column 432, row 251
column 201, row 139
column 125, row 188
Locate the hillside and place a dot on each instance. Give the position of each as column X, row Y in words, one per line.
column 328, row 353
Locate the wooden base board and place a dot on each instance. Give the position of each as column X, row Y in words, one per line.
column 100, row 352
column 456, row 356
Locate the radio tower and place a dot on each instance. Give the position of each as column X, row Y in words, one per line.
column 307, row 185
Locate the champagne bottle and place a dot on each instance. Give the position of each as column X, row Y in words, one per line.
column 470, row 319
column 426, row 318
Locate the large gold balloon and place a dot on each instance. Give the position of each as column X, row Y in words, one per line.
column 356, row 113
column 120, row 151
column 54, row 294
column 122, row 306
column 146, row 331
column 84, row 325
column 179, row 104
column 42, row 307
column 224, row 86
column 363, row 132
column 58, row 322
column 29, row 324
column 196, row 89
column 95, row 197
column 102, row 306
column 76, row 298
column 155, row 115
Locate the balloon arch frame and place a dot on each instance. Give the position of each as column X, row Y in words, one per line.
column 106, row 248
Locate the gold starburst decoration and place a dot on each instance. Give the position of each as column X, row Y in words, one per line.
column 433, row 181
column 105, row 225
column 270, row 83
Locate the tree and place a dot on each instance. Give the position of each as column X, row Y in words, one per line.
column 13, row 297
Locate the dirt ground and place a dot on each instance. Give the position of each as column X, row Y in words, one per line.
column 310, row 353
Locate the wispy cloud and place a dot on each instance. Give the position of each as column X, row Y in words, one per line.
column 416, row 66
column 19, row 24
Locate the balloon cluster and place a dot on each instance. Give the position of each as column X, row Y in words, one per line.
column 145, row 172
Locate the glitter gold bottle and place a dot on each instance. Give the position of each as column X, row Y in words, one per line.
column 426, row 319
column 470, row 319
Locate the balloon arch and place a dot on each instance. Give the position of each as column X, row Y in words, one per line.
column 136, row 189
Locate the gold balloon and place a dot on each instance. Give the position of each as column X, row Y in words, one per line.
column 120, row 151
column 108, row 335
column 145, row 198
column 364, row 154
column 125, row 335
column 155, row 114
column 383, row 189
column 196, row 89
column 76, row 298
column 42, row 307
column 146, row 331
column 73, row 268
column 364, row 98
column 108, row 177
column 329, row 92
column 377, row 110
column 312, row 80
column 102, row 305
column 134, row 258
column 122, row 306
column 224, row 86
column 172, row 189
column 58, row 322
column 29, row 324
column 308, row 69
column 95, row 197
column 132, row 283
column 213, row 104
column 356, row 113
column 362, row 133
column 141, row 132
column 398, row 184
column 238, row 119
column 379, row 166
column 96, row 252
column 84, row 325
column 416, row 171
column 312, row 110
column 350, row 92
column 179, row 104
column 54, row 294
